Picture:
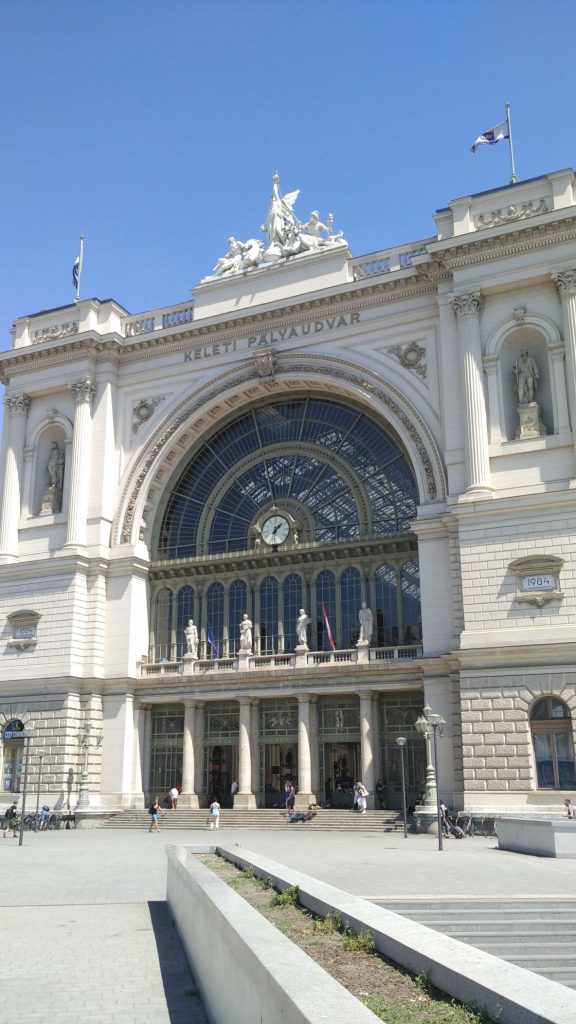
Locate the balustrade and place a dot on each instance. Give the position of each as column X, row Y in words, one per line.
column 158, row 320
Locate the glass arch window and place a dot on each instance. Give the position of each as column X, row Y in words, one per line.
column 185, row 611
column 269, row 615
column 351, row 599
column 290, row 451
column 237, row 605
column 292, row 605
column 215, row 621
column 325, row 597
column 163, row 625
column 551, row 725
column 411, row 616
column 386, row 606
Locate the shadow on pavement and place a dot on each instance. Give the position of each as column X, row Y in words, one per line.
column 182, row 998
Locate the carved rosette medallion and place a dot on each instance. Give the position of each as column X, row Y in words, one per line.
column 143, row 410
column 83, row 391
column 411, row 357
column 565, row 282
column 266, row 364
column 467, row 305
column 18, row 405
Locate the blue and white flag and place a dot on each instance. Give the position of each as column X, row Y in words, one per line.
column 77, row 267
column 76, row 272
column 212, row 642
column 489, row 138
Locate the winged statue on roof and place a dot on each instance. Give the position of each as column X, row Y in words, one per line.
column 287, row 236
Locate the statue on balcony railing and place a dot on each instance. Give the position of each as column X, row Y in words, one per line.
column 191, row 634
column 366, row 625
column 287, row 236
column 245, row 635
column 302, row 623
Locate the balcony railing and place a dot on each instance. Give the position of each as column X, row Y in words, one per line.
column 388, row 260
column 274, row 662
column 158, row 319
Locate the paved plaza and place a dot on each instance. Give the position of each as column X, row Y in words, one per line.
column 86, row 937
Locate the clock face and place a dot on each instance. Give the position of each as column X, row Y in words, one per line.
column 275, row 530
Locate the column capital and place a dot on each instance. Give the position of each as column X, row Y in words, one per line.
column 565, row 281
column 18, row 405
column 304, row 698
column 468, row 304
column 190, row 702
column 244, row 701
column 83, row 391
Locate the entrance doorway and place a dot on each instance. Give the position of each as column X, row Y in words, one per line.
column 222, row 772
column 280, row 763
column 12, row 767
column 341, row 761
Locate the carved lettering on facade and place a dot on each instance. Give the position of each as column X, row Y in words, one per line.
column 55, row 332
column 275, row 337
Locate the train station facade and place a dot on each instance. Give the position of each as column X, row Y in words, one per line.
column 313, row 434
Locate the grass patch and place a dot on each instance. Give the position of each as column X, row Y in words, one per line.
column 288, row 898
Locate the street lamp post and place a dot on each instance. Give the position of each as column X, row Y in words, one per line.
column 40, row 760
column 83, row 800
column 431, row 726
column 401, row 743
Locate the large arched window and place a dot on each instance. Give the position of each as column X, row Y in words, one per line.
column 349, row 474
column 215, row 621
column 551, row 725
column 411, row 617
column 185, row 611
column 386, row 606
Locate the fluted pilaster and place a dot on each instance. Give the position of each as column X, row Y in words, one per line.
column 467, row 312
column 83, row 392
column 17, row 408
column 565, row 281
column 244, row 798
column 188, row 797
column 305, row 795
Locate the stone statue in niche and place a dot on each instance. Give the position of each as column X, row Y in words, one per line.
column 52, row 498
column 527, row 378
column 246, row 635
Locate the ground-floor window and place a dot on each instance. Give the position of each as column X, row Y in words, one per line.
column 12, row 767
column 551, row 724
column 166, row 740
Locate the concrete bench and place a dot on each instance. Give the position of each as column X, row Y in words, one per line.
column 538, row 837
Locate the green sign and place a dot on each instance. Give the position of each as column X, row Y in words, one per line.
column 14, row 730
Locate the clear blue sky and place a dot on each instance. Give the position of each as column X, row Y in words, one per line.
column 153, row 128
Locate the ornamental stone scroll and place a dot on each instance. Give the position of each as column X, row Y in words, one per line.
column 83, row 391
column 467, row 305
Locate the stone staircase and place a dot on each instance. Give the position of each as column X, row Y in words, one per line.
column 325, row 820
column 538, row 934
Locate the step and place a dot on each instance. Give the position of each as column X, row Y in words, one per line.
column 531, row 926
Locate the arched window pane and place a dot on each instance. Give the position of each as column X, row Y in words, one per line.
column 549, row 708
column 411, row 613
column 237, row 605
column 351, row 599
column 269, row 615
column 185, row 612
column 163, row 626
column 551, row 724
column 292, row 605
column 215, row 620
column 325, row 595
column 386, row 606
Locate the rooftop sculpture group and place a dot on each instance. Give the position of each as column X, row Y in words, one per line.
column 287, row 236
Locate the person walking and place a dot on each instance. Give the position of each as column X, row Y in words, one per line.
column 12, row 821
column 570, row 810
column 214, row 814
column 174, row 794
column 361, row 795
column 154, row 811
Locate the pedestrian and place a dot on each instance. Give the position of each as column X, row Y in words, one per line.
column 214, row 814
column 233, row 790
column 154, row 811
column 328, row 793
column 570, row 810
column 174, row 794
column 286, row 792
column 291, row 799
column 361, row 795
column 44, row 817
column 12, row 821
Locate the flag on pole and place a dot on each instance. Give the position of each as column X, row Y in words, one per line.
column 328, row 630
column 77, row 268
column 496, row 134
column 76, row 272
column 212, row 642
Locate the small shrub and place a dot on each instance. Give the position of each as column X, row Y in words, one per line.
column 287, row 898
column 362, row 943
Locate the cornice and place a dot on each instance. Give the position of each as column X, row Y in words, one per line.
column 475, row 250
column 112, row 347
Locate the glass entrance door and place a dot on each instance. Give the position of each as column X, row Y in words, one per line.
column 341, row 766
column 280, row 764
column 12, row 767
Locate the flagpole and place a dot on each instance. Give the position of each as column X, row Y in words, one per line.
column 514, row 178
column 80, row 262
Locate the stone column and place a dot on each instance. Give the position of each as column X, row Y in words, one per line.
column 367, row 746
column 83, row 392
column 558, row 382
column 199, row 750
column 255, row 732
column 565, row 282
column 304, row 796
column 377, row 741
column 15, row 428
column 467, row 311
column 244, row 799
column 314, row 758
column 188, row 797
